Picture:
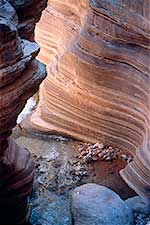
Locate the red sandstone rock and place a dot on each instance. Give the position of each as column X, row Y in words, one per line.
column 29, row 13
column 20, row 76
column 137, row 173
column 99, row 89
column 59, row 24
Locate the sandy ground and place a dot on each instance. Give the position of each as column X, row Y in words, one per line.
column 59, row 169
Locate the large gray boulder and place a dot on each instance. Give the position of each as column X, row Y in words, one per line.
column 93, row 204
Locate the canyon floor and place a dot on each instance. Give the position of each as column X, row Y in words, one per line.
column 59, row 169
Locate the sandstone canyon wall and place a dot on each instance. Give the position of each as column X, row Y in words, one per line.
column 98, row 87
column 20, row 76
column 59, row 24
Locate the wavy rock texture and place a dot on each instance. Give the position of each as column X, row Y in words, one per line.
column 99, row 89
column 16, row 173
column 64, row 21
column 137, row 173
column 59, row 24
column 20, row 76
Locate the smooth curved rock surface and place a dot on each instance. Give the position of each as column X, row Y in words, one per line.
column 99, row 89
column 97, row 205
column 59, row 24
column 137, row 173
column 16, row 174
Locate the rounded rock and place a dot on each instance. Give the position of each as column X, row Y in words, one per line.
column 93, row 204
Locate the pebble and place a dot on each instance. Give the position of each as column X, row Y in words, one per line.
column 99, row 151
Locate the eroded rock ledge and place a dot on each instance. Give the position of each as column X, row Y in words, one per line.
column 20, row 76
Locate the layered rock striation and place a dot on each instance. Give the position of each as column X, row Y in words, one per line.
column 29, row 13
column 20, row 76
column 59, row 24
column 99, row 89
column 137, row 173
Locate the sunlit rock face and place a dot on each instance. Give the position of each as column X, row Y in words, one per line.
column 59, row 24
column 99, row 87
column 20, row 76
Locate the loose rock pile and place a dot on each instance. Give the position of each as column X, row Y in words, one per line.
column 99, row 151
column 56, row 175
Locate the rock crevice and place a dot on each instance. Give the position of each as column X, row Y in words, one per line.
column 20, row 76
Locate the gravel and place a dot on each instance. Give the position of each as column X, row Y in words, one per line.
column 141, row 218
column 56, row 175
column 99, row 151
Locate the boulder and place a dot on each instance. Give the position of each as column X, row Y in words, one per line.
column 93, row 204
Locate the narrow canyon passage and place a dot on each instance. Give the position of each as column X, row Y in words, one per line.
column 79, row 151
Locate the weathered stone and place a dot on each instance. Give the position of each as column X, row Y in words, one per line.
column 58, row 25
column 20, row 76
column 137, row 172
column 50, row 209
column 29, row 13
column 97, row 205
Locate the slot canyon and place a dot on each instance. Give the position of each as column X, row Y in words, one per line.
column 75, row 112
